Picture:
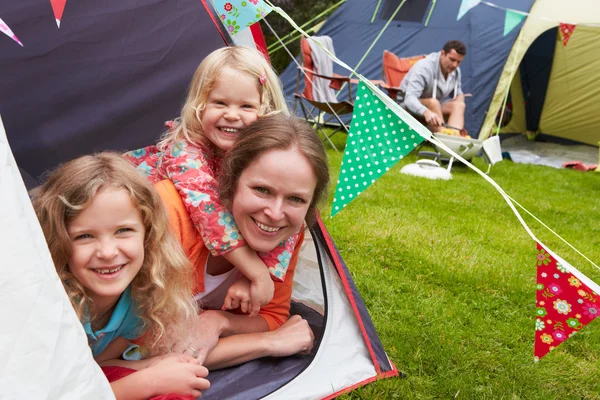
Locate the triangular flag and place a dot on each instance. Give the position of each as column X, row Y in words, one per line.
column 564, row 303
column 236, row 15
column 566, row 30
column 465, row 6
column 511, row 20
column 6, row 30
column 58, row 6
column 377, row 140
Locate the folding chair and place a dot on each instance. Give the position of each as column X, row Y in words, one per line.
column 394, row 71
column 323, row 108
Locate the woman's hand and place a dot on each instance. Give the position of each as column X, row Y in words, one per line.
column 293, row 337
column 204, row 336
column 177, row 373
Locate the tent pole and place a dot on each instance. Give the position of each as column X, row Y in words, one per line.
column 498, row 127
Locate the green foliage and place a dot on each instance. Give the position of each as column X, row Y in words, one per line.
column 448, row 275
column 301, row 11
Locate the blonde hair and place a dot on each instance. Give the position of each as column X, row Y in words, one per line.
column 275, row 132
column 239, row 58
column 162, row 289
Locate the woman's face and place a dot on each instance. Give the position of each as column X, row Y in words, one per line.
column 272, row 197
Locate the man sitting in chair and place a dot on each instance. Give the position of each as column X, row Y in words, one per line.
column 432, row 88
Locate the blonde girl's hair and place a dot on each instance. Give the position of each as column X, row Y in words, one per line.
column 275, row 132
column 244, row 59
column 162, row 289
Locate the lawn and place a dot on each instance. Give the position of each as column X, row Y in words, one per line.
column 448, row 275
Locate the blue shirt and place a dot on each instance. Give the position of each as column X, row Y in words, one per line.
column 124, row 322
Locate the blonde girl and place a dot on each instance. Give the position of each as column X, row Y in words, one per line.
column 122, row 269
column 231, row 88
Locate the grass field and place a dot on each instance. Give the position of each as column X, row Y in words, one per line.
column 448, row 275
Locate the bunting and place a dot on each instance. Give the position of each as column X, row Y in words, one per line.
column 237, row 15
column 564, row 303
column 465, row 6
column 58, row 6
column 511, row 20
column 566, row 30
column 8, row 32
column 377, row 140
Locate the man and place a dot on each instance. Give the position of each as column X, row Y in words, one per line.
column 432, row 87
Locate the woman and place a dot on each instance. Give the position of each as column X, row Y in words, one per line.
column 272, row 181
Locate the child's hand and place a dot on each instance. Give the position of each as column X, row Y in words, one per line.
column 238, row 295
column 250, row 295
column 261, row 292
column 178, row 373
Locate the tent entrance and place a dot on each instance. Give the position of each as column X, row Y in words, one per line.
column 555, row 91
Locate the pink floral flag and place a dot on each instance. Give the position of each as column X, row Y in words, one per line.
column 566, row 30
column 237, row 15
column 58, row 7
column 565, row 303
column 8, row 32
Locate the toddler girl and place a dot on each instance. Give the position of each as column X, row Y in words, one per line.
column 231, row 88
column 123, row 271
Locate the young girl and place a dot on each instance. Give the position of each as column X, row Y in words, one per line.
column 124, row 272
column 231, row 88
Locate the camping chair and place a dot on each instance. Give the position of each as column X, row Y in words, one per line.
column 323, row 108
column 394, row 71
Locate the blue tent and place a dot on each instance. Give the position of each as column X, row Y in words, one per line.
column 481, row 29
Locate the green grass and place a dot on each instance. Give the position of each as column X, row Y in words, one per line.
column 448, row 275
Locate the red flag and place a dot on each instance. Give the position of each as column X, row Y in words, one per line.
column 564, row 303
column 566, row 30
column 58, row 6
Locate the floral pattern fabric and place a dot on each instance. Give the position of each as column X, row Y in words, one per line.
column 564, row 304
column 193, row 170
column 239, row 14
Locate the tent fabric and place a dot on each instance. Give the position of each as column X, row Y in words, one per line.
column 43, row 348
column 568, row 110
column 108, row 78
column 573, row 91
column 344, row 353
column 480, row 29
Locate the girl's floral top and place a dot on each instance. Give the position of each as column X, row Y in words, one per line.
column 193, row 170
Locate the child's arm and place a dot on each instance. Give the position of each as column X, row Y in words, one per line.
column 278, row 259
column 261, row 287
column 173, row 373
column 194, row 179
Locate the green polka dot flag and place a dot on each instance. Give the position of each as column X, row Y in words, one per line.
column 377, row 140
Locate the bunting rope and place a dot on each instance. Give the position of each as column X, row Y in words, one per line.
column 427, row 135
column 276, row 46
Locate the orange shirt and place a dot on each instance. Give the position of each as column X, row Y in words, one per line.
column 278, row 310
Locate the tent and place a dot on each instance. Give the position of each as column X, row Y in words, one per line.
column 558, row 81
column 107, row 79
